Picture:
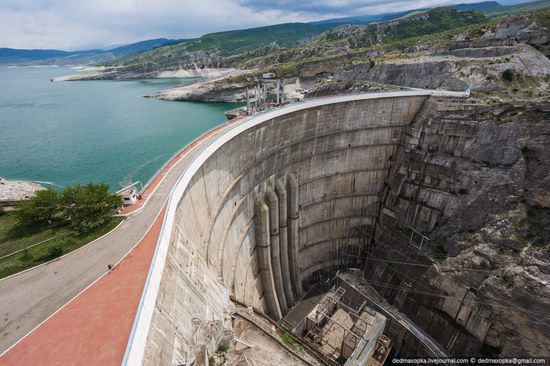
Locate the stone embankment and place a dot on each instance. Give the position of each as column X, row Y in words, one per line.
column 13, row 190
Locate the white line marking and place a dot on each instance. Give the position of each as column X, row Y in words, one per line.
column 64, row 255
column 87, row 287
column 30, row 246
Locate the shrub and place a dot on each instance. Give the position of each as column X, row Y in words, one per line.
column 26, row 257
column 508, row 75
column 440, row 252
column 490, row 351
column 508, row 279
column 40, row 209
column 222, row 349
column 89, row 206
column 55, row 251
column 287, row 338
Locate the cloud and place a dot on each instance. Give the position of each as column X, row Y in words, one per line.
column 70, row 24
column 75, row 25
column 346, row 7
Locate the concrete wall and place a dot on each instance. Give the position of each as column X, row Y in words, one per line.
column 339, row 153
column 336, row 151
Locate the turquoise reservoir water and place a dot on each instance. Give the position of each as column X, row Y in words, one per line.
column 92, row 131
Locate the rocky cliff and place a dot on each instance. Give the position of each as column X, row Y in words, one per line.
column 478, row 60
column 476, row 57
column 463, row 244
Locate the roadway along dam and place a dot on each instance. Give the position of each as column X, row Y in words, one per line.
column 287, row 198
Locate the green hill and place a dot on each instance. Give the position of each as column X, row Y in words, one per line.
column 285, row 43
column 518, row 8
column 439, row 20
column 238, row 41
column 225, row 44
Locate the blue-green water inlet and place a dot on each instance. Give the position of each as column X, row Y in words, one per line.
column 92, row 131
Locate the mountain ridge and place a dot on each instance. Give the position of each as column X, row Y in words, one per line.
column 15, row 56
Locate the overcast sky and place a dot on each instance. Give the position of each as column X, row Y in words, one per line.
column 80, row 24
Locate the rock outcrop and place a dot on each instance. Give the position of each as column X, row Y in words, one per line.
column 13, row 191
column 466, row 212
column 480, row 69
column 209, row 91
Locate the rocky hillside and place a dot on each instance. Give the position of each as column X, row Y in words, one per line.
column 474, row 182
column 282, row 45
column 505, row 59
column 212, row 51
column 496, row 226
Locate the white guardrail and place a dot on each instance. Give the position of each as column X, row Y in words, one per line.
column 138, row 336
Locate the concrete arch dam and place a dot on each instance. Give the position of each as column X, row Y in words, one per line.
column 264, row 208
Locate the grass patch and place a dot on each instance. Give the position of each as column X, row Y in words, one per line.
column 507, row 279
column 287, row 338
column 14, row 237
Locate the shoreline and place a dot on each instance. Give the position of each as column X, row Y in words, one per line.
column 119, row 73
column 17, row 190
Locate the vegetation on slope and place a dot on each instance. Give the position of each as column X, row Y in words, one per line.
column 516, row 9
column 233, row 42
column 52, row 224
column 346, row 44
column 431, row 22
column 438, row 20
column 290, row 49
column 224, row 44
column 291, row 42
column 31, row 246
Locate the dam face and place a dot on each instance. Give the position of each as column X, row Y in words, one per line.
column 264, row 214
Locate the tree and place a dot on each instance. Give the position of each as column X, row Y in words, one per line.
column 40, row 209
column 88, row 206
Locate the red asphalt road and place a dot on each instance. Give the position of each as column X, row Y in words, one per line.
column 94, row 327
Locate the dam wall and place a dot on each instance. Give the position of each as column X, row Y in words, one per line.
column 282, row 197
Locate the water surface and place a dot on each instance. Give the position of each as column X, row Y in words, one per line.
column 92, row 131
